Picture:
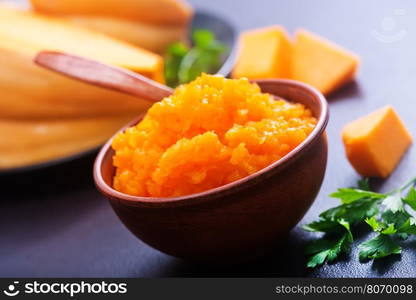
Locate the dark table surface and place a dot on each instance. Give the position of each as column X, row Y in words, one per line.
column 54, row 222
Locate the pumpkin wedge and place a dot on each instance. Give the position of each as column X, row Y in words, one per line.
column 155, row 38
column 29, row 91
column 161, row 12
column 264, row 53
column 321, row 63
column 375, row 143
column 34, row 141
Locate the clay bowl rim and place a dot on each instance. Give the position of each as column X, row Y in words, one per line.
column 229, row 188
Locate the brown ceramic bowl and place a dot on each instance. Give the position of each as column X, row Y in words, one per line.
column 241, row 220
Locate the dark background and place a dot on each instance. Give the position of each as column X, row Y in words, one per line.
column 54, row 222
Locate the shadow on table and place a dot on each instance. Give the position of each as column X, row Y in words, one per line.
column 288, row 261
column 384, row 265
column 350, row 90
column 38, row 205
column 70, row 175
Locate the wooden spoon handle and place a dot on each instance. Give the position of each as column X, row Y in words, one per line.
column 103, row 75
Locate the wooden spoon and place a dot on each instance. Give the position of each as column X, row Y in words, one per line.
column 103, row 75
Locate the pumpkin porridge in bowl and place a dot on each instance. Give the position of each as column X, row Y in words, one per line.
column 210, row 132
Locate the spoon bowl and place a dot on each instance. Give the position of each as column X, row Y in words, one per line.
column 242, row 220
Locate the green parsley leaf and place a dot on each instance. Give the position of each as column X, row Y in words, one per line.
column 203, row 38
column 386, row 214
column 410, row 198
column 397, row 218
column 393, row 202
column 174, row 56
column 363, row 184
column 184, row 64
column 389, row 230
column 319, row 258
column 349, row 195
column 374, row 224
column 402, row 236
column 380, row 226
column 353, row 212
column 408, row 227
column 330, row 247
column 322, row 225
column 378, row 247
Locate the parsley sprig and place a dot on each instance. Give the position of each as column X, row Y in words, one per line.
column 183, row 63
column 389, row 215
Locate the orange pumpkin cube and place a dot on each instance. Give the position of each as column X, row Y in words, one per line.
column 375, row 143
column 159, row 12
column 264, row 53
column 320, row 63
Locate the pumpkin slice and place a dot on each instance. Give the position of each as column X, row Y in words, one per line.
column 161, row 12
column 47, row 33
column 375, row 143
column 320, row 63
column 152, row 37
column 28, row 142
column 264, row 53
column 29, row 91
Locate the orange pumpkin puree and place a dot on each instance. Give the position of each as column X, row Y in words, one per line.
column 210, row 132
